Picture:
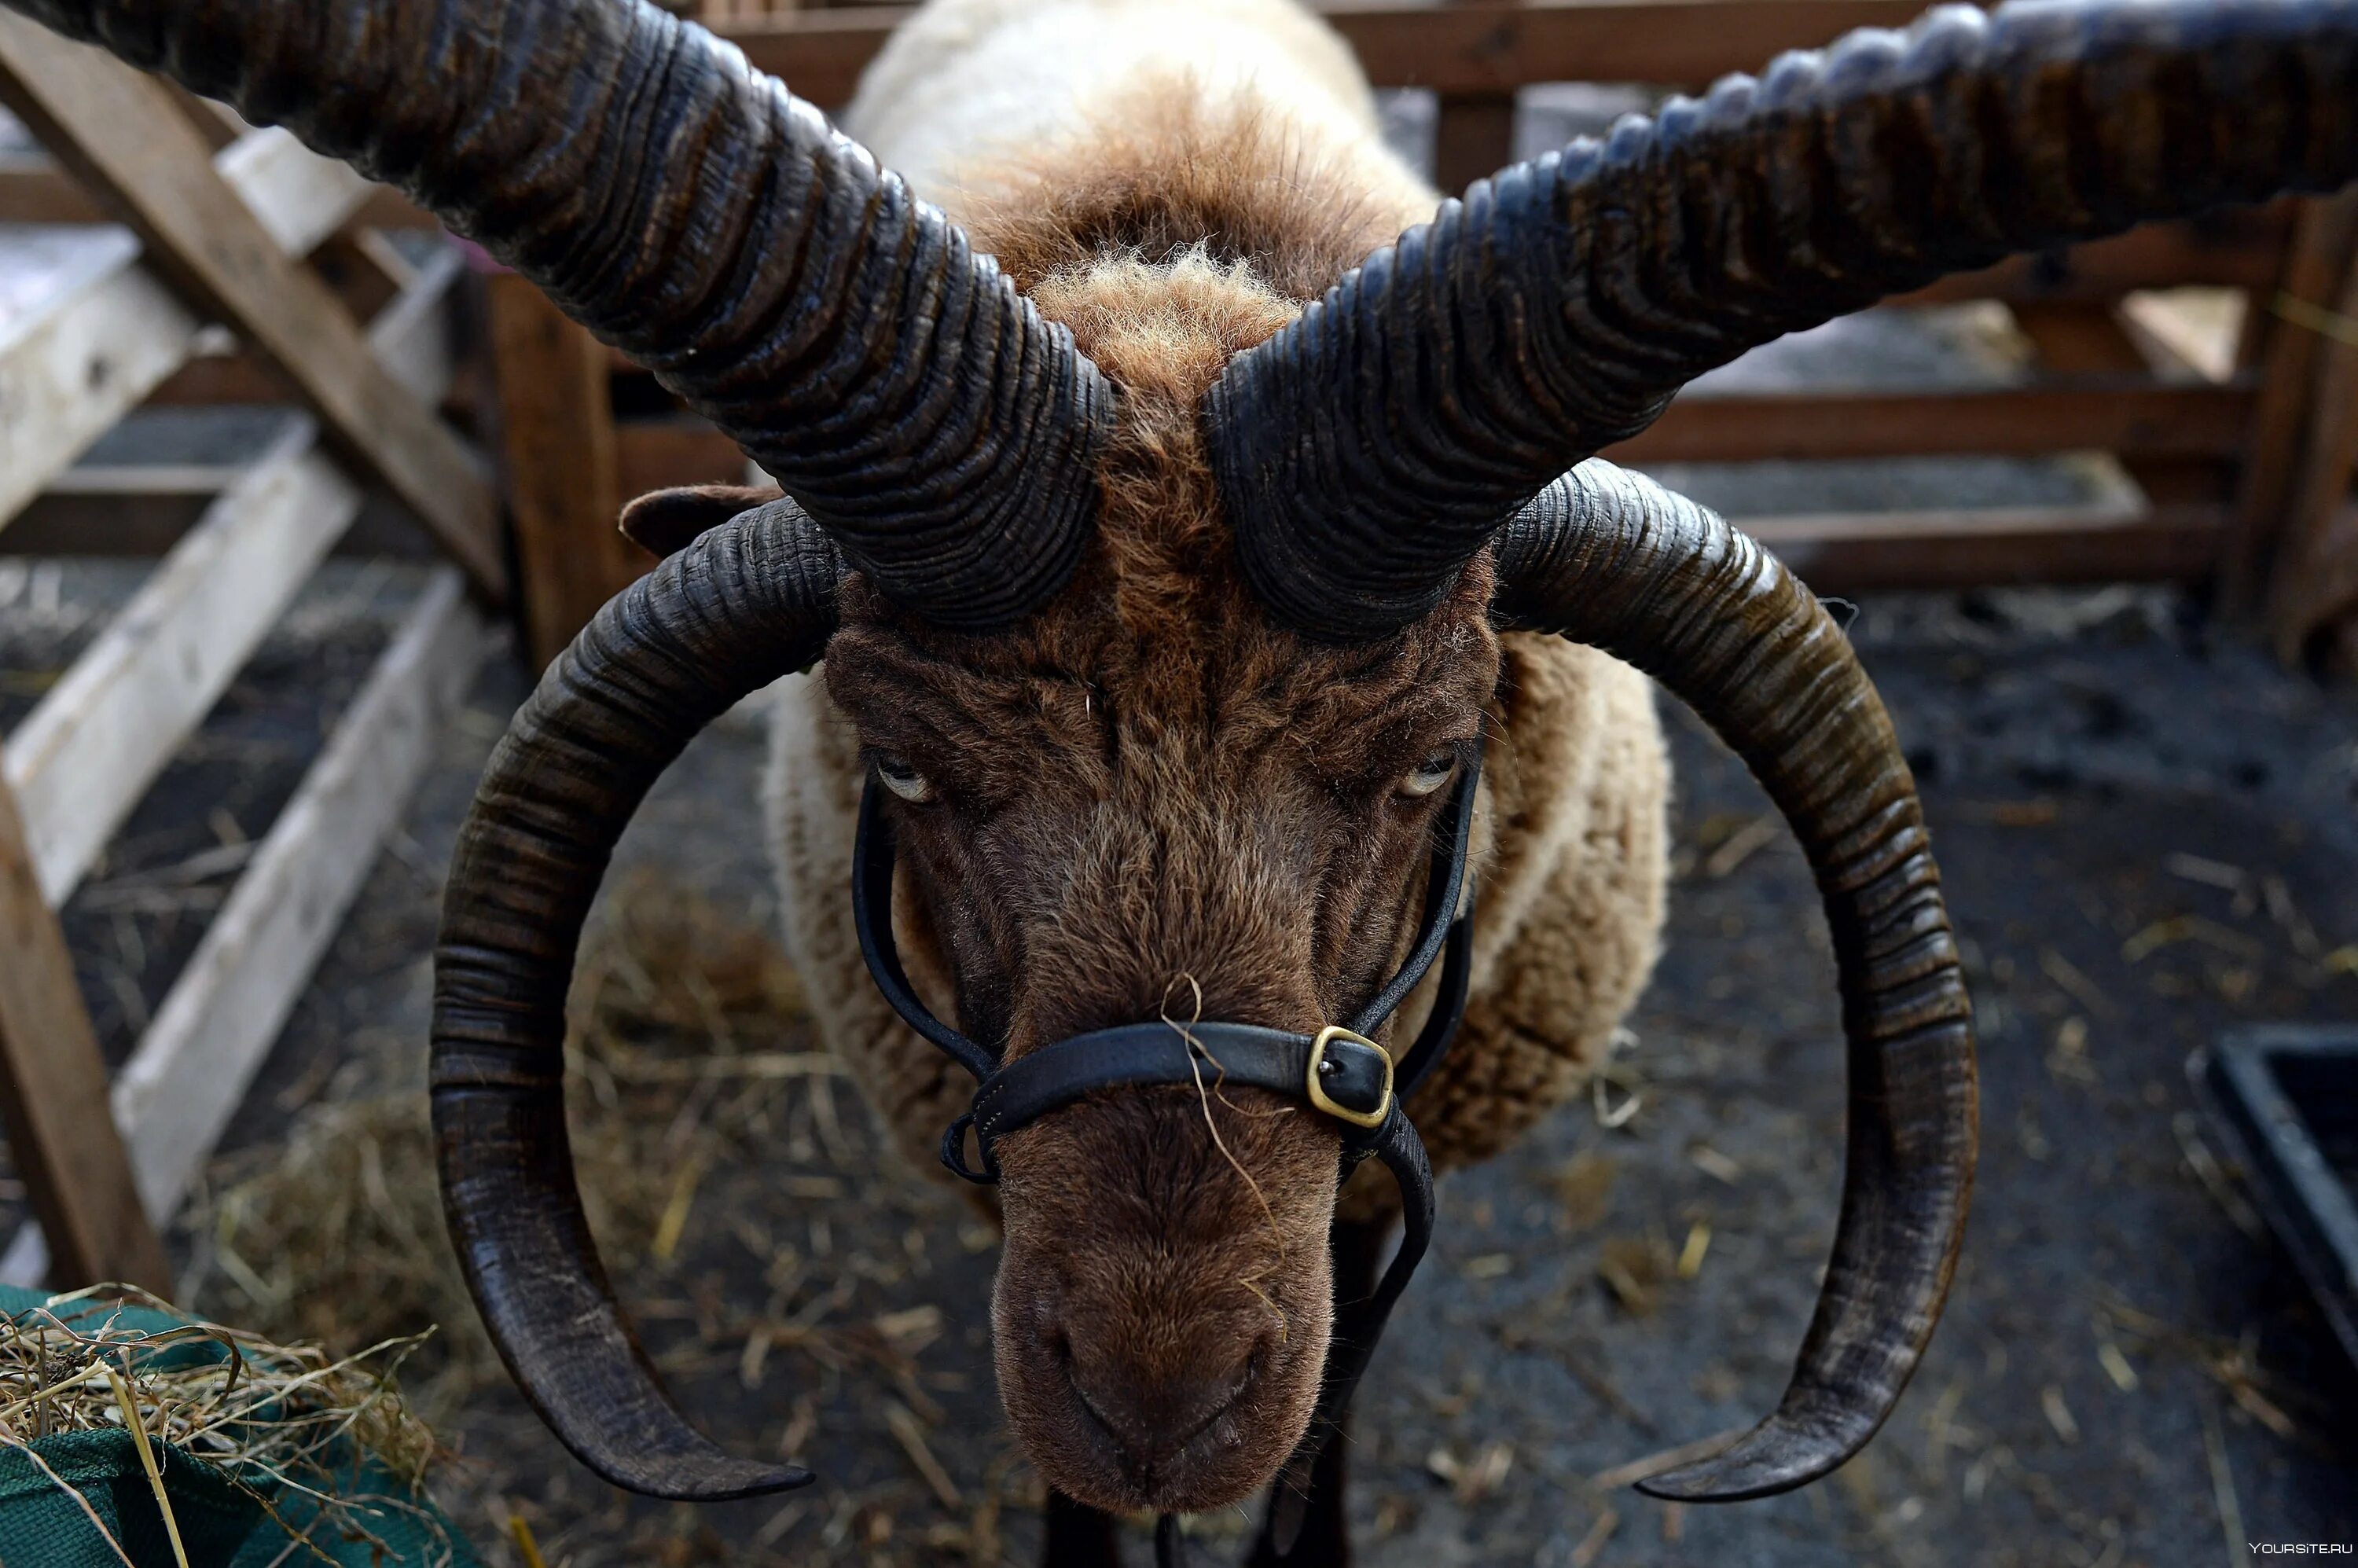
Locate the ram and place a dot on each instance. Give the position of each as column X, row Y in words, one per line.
column 1231, row 656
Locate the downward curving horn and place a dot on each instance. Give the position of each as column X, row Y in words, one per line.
column 689, row 209
column 748, row 602
column 1609, row 558
column 1366, row 452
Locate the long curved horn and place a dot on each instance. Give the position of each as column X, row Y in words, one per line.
column 1367, row 451
column 1606, row 557
column 691, row 210
column 748, row 602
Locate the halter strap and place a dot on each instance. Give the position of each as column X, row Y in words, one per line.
column 1338, row 1072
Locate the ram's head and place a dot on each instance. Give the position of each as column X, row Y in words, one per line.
column 1375, row 486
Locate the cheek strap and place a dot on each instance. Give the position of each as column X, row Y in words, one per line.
column 1339, row 1073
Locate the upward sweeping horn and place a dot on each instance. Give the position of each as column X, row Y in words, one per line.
column 691, row 211
column 1367, row 451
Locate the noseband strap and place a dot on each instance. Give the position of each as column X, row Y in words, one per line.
column 1341, row 1072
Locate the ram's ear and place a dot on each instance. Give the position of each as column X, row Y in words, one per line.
column 665, row 521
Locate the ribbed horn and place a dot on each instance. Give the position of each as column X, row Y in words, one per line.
column 748, row 602
column 1366, row 452
column 691, row 211
column 1609, row 558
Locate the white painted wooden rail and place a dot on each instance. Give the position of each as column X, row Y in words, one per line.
column 88, row 330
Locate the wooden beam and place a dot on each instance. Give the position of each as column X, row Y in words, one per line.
column 34, row 190
column 2120, row 414
column 658, row 454
column 2237, row 248
column 53, row 1095
column 1482, row 46
column 557, row 437
column 1842, row 554
column 120, row 133
column 298, row 197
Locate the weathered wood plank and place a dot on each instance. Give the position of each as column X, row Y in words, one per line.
column 53, row 1095
column 120, row 133
column 298, row 197
column 2316, row 574
column 2314, row 265
column 2121, row 414
column 215, row 1026
column 2166, row 458
column 1846, row 553
column 557, row 435
column 79, row 345
column 34, row 190
column 1484, row 46
column 656, row 454
column 86, row 334
column 191, row 1068
column 2237, row 248
column 85, row 756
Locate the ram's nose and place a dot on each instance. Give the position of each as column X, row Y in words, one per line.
column 1149, row 1409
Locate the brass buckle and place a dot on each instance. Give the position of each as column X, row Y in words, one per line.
column 1327, row 1103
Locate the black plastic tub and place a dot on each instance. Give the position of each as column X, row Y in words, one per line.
column 2286, row 1098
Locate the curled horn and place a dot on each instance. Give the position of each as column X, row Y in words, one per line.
column 1368, row 451
column 691, row 211
column 746, row 603
column 1606, row 557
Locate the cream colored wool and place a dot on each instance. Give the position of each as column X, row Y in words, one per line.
column 1570, row 867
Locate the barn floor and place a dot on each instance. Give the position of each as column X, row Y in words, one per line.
column 2148, row 836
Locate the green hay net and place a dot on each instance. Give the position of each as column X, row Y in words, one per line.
column 284, row 1457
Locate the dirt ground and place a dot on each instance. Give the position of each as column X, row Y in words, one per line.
column 2147, row 835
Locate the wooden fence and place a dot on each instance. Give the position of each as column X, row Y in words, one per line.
column 218, row 227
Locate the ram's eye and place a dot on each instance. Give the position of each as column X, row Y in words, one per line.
column 897, row 775
column 1430, row 773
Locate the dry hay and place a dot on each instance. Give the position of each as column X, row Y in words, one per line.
column 783, row 1265
column 337, row 1234
column 275, row 1421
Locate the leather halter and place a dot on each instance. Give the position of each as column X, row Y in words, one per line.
column 1339, row 1072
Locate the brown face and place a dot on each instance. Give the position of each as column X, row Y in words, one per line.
column 1197, row 816
column 1147, row 802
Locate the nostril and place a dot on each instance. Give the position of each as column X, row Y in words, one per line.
column 1149, row 1412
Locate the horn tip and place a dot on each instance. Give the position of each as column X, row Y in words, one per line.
column 710, row 1477
column 1771, row 1458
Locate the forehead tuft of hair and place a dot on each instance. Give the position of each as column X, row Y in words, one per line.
column 1171, row 166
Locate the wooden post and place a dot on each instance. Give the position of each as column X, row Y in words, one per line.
column 2315, row 581
column 2315, row 263
column 1473, row 135
column 54, row 1097
column 557, row 433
